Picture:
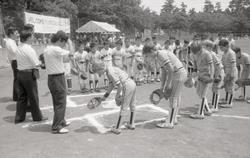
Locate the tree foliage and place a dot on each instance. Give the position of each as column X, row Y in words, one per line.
column 130, row 16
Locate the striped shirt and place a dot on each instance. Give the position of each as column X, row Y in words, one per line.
column 164, row 57
column 116, row 75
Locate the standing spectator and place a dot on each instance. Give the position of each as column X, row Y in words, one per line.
column 11, row 46
column 27, row 63
column 53, row 55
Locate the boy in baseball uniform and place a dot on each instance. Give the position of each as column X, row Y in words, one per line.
column 125, row 95
column 80, row 58
column 157, row 69
column 172, row 78
column 118, row 55
column 243, row 59
column 203, row 62
column 130, row 52
column 106, row 57
column 93, row 56
column 230, row 69
column 218, row 74
column 138, row 60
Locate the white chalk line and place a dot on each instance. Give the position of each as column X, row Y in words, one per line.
column 218, row 115
column 92, row 118
column 72, row 104
column 88, row 95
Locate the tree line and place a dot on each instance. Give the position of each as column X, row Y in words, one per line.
column 130, row 16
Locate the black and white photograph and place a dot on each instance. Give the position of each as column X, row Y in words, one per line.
column 124, row 79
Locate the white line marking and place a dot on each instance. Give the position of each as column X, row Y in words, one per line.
column 88, row 95
column 71, row 104
column 217, row 115
column 232, row 116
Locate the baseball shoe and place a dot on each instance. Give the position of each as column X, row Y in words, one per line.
column 158, row 80
column 197, row 116
column 165, row 125
column 214, row 110
column 129, row 126
column 115, row 130
column 60, row 131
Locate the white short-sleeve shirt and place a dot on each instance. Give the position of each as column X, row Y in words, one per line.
column 26, row 57
column 12, row 48
column 53, row 56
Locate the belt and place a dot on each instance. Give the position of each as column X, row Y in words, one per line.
column 26, row 70
column 178, row 69
column 54, row 75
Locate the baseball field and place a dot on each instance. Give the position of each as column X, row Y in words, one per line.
column 225, row 134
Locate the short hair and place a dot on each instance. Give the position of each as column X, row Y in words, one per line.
column 177, row 42
column 223, row 43
column 167, row 42
column 171, row 38
column 186, row 41
column 147, row 39
column 148, row 48
column 237, row 49
column 92, row 45
column 195, row 47
column 138, row 38
column 154, row 37
column 118, row 42
column 105, row 43
column 28, row 27
column 25, row 35
column 59, row 36
column 208, row 43
column 11, row 31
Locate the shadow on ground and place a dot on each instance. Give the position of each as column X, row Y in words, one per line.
column 44, row 128
column 85, row 129
column 5, row 99
column 11, row 107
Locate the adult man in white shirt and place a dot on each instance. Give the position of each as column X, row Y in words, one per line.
column 27, row 64
column 11, row 46
column 53, row 55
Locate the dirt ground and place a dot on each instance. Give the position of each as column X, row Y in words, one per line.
column 225, row 134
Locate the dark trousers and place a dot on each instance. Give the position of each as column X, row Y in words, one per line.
column 15, row 87
column 57, row 87
column 27, row 91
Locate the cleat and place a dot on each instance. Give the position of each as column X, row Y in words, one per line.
column 115, row 130
column 197, row 116
column 214, row 110
column 60, row 131
column 165, row 125
column 129, row 126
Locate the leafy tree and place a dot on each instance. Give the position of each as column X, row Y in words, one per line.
column 168, row 7
column 208, row 7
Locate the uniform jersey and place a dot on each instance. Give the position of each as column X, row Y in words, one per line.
column 165, row 57
column 216, row 62
column 93, row 56
column 117, row 57
column 243, row 60
column 158, row 46
column 229, row 63
column 138, row 50
column 81, row 57
column 116, row 75
column 106, row 56
column 203, row 62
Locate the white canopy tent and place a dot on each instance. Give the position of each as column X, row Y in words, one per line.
column 97, row 27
